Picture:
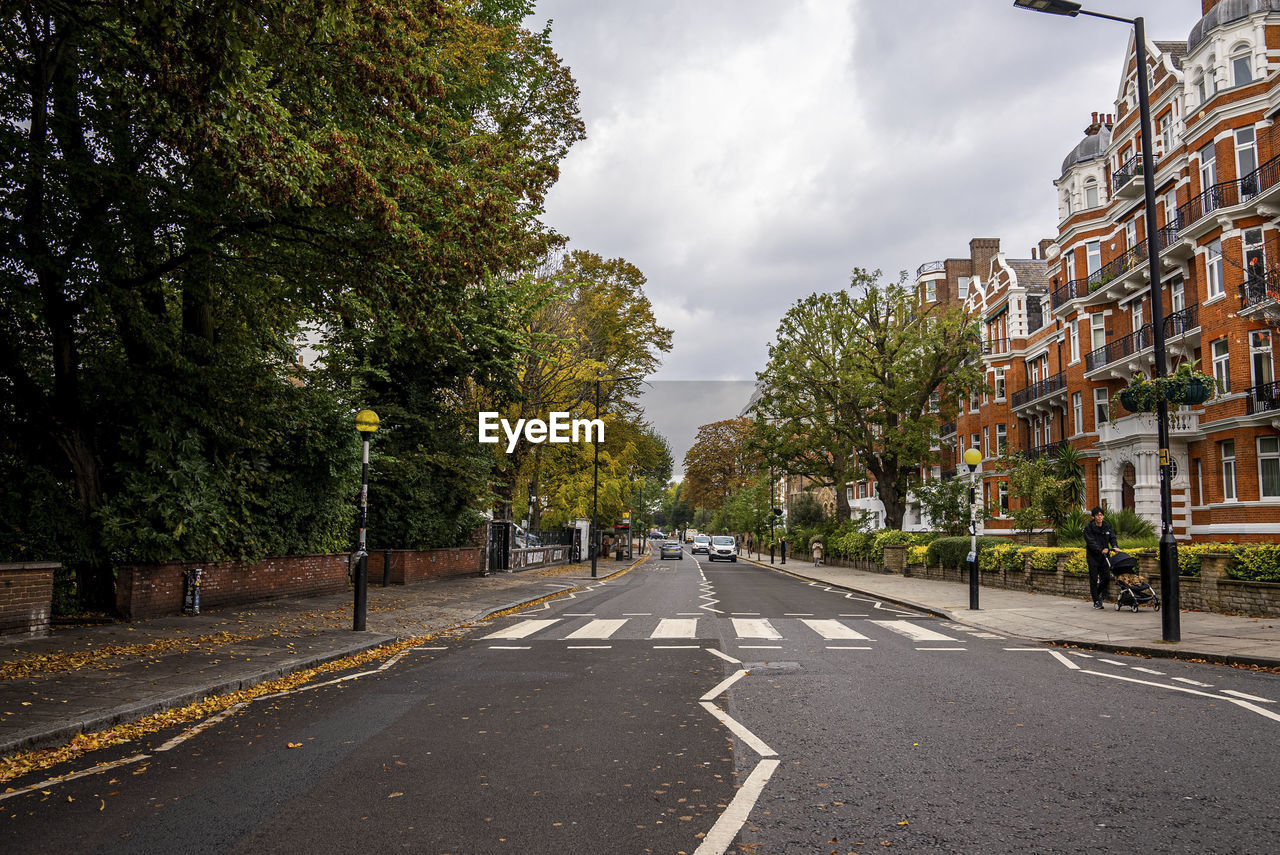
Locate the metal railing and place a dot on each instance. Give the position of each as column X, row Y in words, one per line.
column 1039, row 389
column 1182, row 321
column 947, row 474
column 1046, row 450
column 1227, row 193
column 1130, row 170
column 930, row 267
column 1256, row 289
column 947, row 429
column 1118, row 349
column 1117, row 267
column 1262, row 398
column 995, row 345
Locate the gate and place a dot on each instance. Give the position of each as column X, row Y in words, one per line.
column 499, row 546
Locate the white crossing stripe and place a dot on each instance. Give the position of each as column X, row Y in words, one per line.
column 1193, row 682
column 754, row 628
column 834, row 630
column 523, row 629
column 915, row 632
column 1246, row 697
column 598, row 629
column 676, row 628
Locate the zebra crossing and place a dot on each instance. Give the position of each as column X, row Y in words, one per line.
column 748, row 629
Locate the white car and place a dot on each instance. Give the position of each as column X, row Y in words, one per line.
column 723, row 546
column 701, row 543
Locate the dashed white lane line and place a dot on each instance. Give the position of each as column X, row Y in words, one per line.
column 855, row 615
column 1113, row 662
column 833, row 647
column 522, row 629
column 1191, row 682
column 798, row 614
column 428, row 648
column 722, row 834
column 744, row 613
column 675, row 647
column 676, row 628
column 504, row 647
column 747, row 628
column 833, row 630
column 1247, row 697
column 759, row 646
column 62, row 779
column 597, row 629
column 943, row 648
column 589, row 647
column 1149, row 671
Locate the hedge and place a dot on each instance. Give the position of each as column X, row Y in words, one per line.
column 952, row 551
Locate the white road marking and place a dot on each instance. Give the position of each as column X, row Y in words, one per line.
column 854, row 615
column 1149, row 671
column 676, row 628
column 833, row 647
column 988, row 635
column 721, row 835
column 759, row 646
column 1113, row 662
column 207, row 723
column 1194, row 682
column 745, row 613
column 834, row 630
column 675, row 647
column 428, row 648
column 502, row 647
column 798, row 614
column 61, row 779
column 942, row 648
column 913, row 631
column 724, row 685
column 1026, row 649
column 579, row 614
column 1064, row 660
column 597, row 629
column 588, row 647
column 725, row 656
column 522, row 629
column 757, row 744
column 1247, row 697
column 1082, row 655
column 636, row 614
column 754, row 628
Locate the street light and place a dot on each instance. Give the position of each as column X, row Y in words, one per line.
column 595, row 479
column 1169, row 615
column 972, row 457
column 366, row 423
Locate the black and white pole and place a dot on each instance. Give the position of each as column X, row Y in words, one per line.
column 366, row 424
column 972, row 457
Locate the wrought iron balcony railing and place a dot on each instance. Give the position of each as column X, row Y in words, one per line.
column 1047, row 450
column 947, row 429
column 1181, row 322
column 1228, row 193
column 1262, row 398
column 1256, row 289
column 995, row 345
column 1118, row 349
column 930, row 267
column 1039, row 389
column 1130, row 170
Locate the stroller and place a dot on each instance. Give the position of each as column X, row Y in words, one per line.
column 1135, row 590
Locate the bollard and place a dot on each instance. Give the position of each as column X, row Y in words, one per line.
column 362, row 580
column 191, row 591
column 386, row 567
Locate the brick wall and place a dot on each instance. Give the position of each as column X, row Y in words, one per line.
column 26, row 596
column 409, row 566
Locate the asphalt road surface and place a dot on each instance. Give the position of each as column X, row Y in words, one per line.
column 703, row 708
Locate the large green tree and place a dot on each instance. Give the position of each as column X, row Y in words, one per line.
column 719, row 463
column 857, row 383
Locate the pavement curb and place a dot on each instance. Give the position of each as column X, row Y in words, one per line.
column 62, row 733
column 1154, row 652
column 897, row 601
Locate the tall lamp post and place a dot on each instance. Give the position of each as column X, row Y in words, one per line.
column 972, row 457
column 595, row 480
column 1169, row 615
column 366, row 423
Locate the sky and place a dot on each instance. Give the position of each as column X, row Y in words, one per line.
column 747, row 153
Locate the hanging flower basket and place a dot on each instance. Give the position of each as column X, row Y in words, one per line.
column 1184, row 386
column 1193, row 391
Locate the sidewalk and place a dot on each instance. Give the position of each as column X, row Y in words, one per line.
column 87, row 679
column 1045, row 617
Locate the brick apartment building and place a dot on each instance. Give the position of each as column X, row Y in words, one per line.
column 1066, row 329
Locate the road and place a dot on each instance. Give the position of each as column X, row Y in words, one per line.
column 694, row 707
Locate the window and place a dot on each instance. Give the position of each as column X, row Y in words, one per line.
column 1269, row 466
column 986, row 442
column 1002, row 490
column 1071, row 265
column 1255, row 260
column 1165, row 127
column 1097, row 330
column 973, row 401
column 862, row 489
column 1260, row 357
column 1199, row 472
column 999, row 384
column 1208, row 169
column 1202, row 88
column 1171, row 209
column 931, row 292
column 1137, row 314
column 1177, row 294
column 973, row 442
column 1222, row 365
column 962, row 287
column 1093, row 256
column 1227, row 451
column 1213, row 270
column 1091, row 193
column 1073, row 333
column 1101, row 406
column 1247, row 162
column 1241, row 67
column 1002, row 439
column 1077, row 412
column 1131, row 234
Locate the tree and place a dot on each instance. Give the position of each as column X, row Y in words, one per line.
column 676, row 507
column 719, row 462
column 1035, row 492
column 945, row 501
column 854, row 386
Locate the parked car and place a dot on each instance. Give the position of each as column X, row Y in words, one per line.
column 723, row 546
column 671, row 549
column 701, row 543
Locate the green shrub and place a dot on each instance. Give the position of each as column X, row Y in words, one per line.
column 1127, row 523
column 952, row 551
column 918, row 554
column 1255, row 563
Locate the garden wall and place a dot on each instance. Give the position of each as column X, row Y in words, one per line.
column 26, row 597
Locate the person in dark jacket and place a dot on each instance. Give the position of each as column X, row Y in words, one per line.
column 1099, row 542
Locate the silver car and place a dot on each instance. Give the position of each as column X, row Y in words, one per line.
column 671, row 549
column 723, row 546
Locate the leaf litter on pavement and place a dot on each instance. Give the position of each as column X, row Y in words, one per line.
column 102, row 658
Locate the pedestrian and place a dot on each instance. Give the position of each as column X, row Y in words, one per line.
column 1099, row 542
column 817, row 553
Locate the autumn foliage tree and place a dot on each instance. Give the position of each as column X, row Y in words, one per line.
column 719, row 463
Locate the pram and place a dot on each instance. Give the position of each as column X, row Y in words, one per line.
column 1135, row 590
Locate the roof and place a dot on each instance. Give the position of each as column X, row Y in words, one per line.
column 1226, row 12
column 1032, row 273
column 1092, row 146
column 1176, row 51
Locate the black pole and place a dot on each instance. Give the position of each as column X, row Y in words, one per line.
column 973, row 538
column 595, row 489
column 386, row 567
column 362, row 557
column 1169, row 617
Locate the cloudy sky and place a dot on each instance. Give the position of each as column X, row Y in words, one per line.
column 746, row 153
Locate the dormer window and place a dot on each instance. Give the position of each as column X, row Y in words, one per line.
column 1242, row 66
column 1091, row 193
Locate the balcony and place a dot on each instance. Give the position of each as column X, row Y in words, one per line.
column 1229, row 193
column 1047, row 450
column 947, row 474
column 1263, row 398
column 947, row 429
column 1128, row 261
column 1181, row 322
column 1123, row 181
column 1114, row 351
column 1039, row 390
column 930, row 267
column 1183, row 424
column 1260, row 297
column 995, row 346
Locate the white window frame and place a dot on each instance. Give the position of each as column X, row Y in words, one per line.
column 1097, row 331
column 1091, row 196
column 1221, row 361
column 1002, row 438
column 931, row 291
column 1131, row 233
column 1077, row 412
column 1092, row 256
column 1259, row 346
column 999, row 384
column 1177, row 294
column 1227, row 452
column 1101, row 406
column 1241, row 66
column 1215, row 287
column 1269, row 458
column 1002, row 498
column 986, row 441
column 1073, row 335
column 1208, row 168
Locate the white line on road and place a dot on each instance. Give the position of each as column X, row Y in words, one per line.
column 1149, row 671
column 745, row 613
column 1247, row 697
column 675, row 647
column 522, row 629
column 855, row 615
column 1065, row 661
column 503, row 647
column 1194, row 682
column 759, row 646
column 636, row 614
column 1113, row 662
column 676, row 628
column 724, row 684
column 588, row 647
column 913, row 631
column 102, row 767
column 428, row 648
column 725, row 656
column 757, row 745
column 1238, row 702
column 798, row 614
column 746, row 628
column 834, row 630
column 597, row 629
column 942, row 648
column 833, row 647
column 721, row 835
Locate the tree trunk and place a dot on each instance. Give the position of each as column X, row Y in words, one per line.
column 894, row 499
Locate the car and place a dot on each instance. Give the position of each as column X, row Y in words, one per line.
column 723, row 546
column 701, row 543
column 689, row 536
column 671, row 549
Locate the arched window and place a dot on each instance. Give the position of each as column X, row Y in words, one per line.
column 1241, row 66
column 1091, row 193
column 1202, row 91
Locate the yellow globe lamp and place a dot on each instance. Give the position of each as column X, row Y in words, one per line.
column 972, row 457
